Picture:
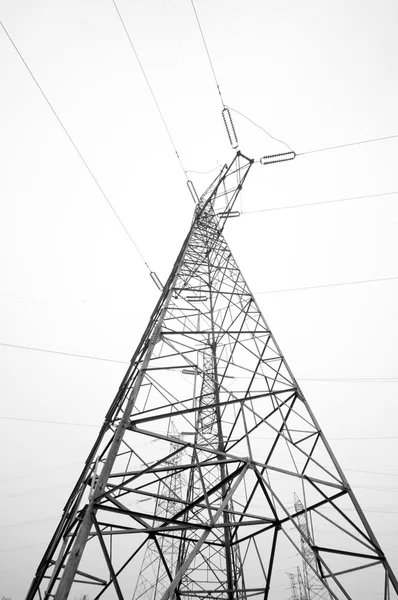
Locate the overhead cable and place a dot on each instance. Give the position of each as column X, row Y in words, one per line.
column 388, row 137
column 20, row 347
column 34, row 491
column 11, row 548
column 149, row 85
column 74, row 145
column 375, row 437
column 219, row 167
column 36, row 473
column 125, row 362
column 249, row 212
column 208, row 54
column 225, row 113
column 259, row 127
column 351, row 379
column 27, row 523
column 326, row 285
column 47, row 422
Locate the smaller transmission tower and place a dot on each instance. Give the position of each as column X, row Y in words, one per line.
column 293, row 586
column 307, row 584
column 297, row 588
column 153, row 578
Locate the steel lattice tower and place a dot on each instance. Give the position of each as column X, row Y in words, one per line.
column 294, row 587
column 153, row 578
column 209, row 362
column 309, row 581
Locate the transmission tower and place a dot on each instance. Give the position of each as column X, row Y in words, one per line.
column 295, row 595
column 208, row 361
column 153, row 579
column 309, row 579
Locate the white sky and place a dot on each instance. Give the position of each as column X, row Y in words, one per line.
column 315, row 73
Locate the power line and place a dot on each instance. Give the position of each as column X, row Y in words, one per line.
column 37, row 491
column 248, row 212
column 388, row 137
column 219, row 167
column 48, row 422
column 352, row 379
column 149, row 85
column 326, row 285
column 377, row 488
column 377, row 437
column 27, row 523
column 74, row 355
column 225, row 106
column 373, row 472
column 125, row 362
column 74, row 145
column 208, row 53
column 371, row 437
column 24, row 546
column 42, row 472
column 259, row 127
column 343, row 379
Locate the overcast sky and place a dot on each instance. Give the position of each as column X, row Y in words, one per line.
column 313, row 73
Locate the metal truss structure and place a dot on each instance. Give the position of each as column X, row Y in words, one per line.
column 153, row 579
column 308, row 581
column 296, row 591
column 217, row 517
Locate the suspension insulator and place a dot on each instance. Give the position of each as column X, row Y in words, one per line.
column 196, row 298
column 229, row 126
column 193, row 192
column 229, row 214
column 275, row 158
column 156, row 280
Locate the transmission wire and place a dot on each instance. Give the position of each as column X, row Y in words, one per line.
column 219, row 167
column 388, row 137
column 48, row 422
column 149, row 86
column 27, row 523
column 226, row 106
column 74, row 145
column 208, row 54
column 326, row 285
column 73, row 355
column 249, row 212
column 259, row 127
column 125, row 362
column 374, row 437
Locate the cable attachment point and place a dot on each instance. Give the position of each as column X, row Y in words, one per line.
column 229, row 126
column 275, row 158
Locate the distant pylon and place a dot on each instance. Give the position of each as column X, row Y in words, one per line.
column 153, row 578
column 209, row 362
column 293, row 586
column 302, row 589
column 309, row 579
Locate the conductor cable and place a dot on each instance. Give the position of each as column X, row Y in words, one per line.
column 149, row 86
column 75, row 146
